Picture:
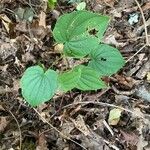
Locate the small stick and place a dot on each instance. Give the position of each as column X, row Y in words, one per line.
column 136, row 53
column 108, row 127
column 103, row 104
column 63, row 135
column 144, row 22
column 20, row 134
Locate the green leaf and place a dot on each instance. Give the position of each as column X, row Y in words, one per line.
column 52, row 3
column 38, row 86
column 80, row 32
column 81, row 46
column 89, row 79
column 106, row 60
column 68, row 80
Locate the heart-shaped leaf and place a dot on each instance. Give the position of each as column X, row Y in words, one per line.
column 89, row 79
column 106, row 60
column 80, row 32
column 38, row 86
column 68, row 80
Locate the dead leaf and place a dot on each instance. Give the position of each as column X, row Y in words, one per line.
column 42, row 20
column 130, row 138
column 148, row 76
column 129, row 82
column 106, row 2
column 67, row 127
column 80, row 125
column 146, row 6
column 6, row 22
column 143, row 71
column 55, row 14
column 59, row 48
column 114, row 116
column 16, row 84
column 116, row 13
column 42, row 143
column 3, row 123
column 143, row 92
column 142, row 143
column 111, row 40
column 6, row 1
column 21, row 26
column 1, row 108
column 39, row 31
column 7, row 49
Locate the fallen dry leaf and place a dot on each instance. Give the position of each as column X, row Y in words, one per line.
column 148, row 76
column 143, row 92
column 130, row 138
column 6, row 22
column 129, row 82
column 111, row 40
column 7, row 49
column 42, row 20
column 3, row 123
column 80, row 125
column 59, row 48
column 146, row 6
column 67, row 127
column 143, row 71
column 1, row 108
column 42, row 143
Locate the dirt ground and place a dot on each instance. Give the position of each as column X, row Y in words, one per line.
column 75, row 120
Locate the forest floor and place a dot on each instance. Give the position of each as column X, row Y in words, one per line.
column 75, row 120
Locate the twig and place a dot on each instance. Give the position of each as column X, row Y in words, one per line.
column 144, row 22
column 112, row 146
column 103, row 104
column 136, row 53
column 20, row 135
column 146, row 33
column 60, row 8
column 108, row 127
column 63, row 135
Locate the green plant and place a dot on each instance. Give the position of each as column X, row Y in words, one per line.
column 81, row 33
column 52, row 4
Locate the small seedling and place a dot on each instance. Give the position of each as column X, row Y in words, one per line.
column 52, row 4
column 81, row 33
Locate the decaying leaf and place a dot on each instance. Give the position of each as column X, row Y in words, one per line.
column 3, row 123
column 114, row 116
column 148, row 76
column 67, row 127
column 42, row 19
column 111, row 39
column 130, row 138
column 80, row 125
column 7, row 48
column 6, row 22
column 143, row 92
column 59, row 48
column 24, row 14
column 146, row 6
column 42, row 143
